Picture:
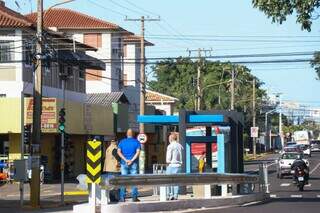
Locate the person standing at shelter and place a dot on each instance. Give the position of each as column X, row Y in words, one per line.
column 174, row 161
column 128, row 151
column 112, row 166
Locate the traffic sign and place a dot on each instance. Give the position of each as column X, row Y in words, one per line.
column 94, row 161
column 254, row 132
column 142, row 138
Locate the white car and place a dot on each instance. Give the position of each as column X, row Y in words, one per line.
column 315, row 145
column 306, row 149
column 285, row 162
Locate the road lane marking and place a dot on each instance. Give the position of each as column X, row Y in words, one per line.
column 296, row 196
column 273, row 196
column 285, row 184
column 271, row 164
column 315, row 168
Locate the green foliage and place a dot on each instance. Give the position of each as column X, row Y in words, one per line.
column 278, row 10
column 305, row 11
column 178, row 78
column 316, row 63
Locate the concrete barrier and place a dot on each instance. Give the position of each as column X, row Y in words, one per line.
column 183, row 204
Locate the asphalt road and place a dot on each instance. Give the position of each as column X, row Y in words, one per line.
column 285, row 196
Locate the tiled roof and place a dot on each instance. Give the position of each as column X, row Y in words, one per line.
column 106, row 99
column 156, row 97
column 10, row 18
column 62, row 18
column 136, row 39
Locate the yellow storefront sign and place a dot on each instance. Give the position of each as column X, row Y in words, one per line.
column 49, row 114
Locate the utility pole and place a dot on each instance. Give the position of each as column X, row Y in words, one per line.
column 199, row 81
column 280, row 121
column 232, row 88
column 199, row 95
column 254, row 116
column 142, row 156
column 37, row 110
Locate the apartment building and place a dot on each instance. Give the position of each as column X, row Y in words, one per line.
column 63, row 55
column 118, row 48
column 131, row 75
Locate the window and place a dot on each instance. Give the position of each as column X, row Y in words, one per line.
column 93, row 75
column 93, row 39
column 125, row 51
column 81, row 73
column 114, row 51
column 6, row 51
column 125, row 79
column 27, row 55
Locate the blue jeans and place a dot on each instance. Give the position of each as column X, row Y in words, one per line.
column 173, row 191
column 129, row 170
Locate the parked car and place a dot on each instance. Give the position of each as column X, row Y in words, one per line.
column 315, row 145
column 285, row 161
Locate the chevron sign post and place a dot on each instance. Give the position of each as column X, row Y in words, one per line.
column 94, row 162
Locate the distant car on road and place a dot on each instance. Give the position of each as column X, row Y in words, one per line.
column 291, row 143
column 315, row 145
column 306, row 149
column 285, row 161
column 290, row 147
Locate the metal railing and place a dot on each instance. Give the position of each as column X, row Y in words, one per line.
column 178, row 179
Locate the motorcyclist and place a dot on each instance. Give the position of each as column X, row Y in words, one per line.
column 299, row 163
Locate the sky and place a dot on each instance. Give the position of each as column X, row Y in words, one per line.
column 228, row 27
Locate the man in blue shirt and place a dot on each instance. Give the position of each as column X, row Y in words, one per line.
column 128, row 151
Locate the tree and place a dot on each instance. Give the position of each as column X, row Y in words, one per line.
column 315, row 63
column 278, row 10
column 305, row 10
column 178, row 78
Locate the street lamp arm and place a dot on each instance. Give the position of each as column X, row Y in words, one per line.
column 212, row 85
column 58, row 4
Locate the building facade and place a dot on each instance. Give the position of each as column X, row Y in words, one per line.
column 62, row 56
column 118, row 48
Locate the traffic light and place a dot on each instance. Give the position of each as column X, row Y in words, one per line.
column 27, row 134
column 62, row 119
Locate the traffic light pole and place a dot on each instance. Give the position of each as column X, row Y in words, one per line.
column 62, row 143
column 21, row 184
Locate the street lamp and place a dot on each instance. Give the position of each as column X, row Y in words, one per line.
column 278, row 95
column 266, row 127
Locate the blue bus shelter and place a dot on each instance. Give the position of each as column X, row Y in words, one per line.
column 230, row 150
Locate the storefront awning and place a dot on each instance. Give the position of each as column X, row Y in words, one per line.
column 81, row 59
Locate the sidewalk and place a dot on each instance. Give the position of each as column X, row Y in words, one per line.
column 50, row 197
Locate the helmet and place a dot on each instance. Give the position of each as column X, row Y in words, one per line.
column 299, row 157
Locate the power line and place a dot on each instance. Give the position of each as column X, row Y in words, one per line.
column 106, row 8
column 235, row 40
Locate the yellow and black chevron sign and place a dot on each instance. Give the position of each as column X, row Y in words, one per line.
column 93, row 161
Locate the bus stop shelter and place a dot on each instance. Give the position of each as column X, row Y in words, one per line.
column 230, row 149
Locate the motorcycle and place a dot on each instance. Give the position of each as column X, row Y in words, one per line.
column 300, row 176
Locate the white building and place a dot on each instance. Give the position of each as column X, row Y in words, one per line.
column 116, row 46
column 131, row 75
column 162, row 102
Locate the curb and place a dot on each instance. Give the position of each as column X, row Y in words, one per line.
column 187, row 204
